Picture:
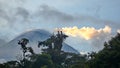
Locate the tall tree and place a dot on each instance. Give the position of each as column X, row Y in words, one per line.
column 109, row 57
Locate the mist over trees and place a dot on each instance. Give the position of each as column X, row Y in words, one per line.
column 53, row 57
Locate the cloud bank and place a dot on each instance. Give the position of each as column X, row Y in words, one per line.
column 16, row 17
column 86, row 32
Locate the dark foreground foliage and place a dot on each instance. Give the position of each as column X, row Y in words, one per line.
column 108, row 57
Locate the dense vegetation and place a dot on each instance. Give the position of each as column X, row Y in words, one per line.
column 53, row 57
column 109, row 57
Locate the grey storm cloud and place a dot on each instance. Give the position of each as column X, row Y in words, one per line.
column 47, row 13
column 50, row 13
column 3, row 14
column 22, row 12
column 2, row 42
column 17, row 17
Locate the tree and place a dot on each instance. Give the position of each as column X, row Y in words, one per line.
column 54, row 44
column 60, row 58
column 109, row 57
column 42, row 61
column 25, row 62
column 51, row 57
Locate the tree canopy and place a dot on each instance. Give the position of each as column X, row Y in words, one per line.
column 54, row 57
column 109, row 56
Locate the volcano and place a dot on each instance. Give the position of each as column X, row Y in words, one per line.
column 11, row 50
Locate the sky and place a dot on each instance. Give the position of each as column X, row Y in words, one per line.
column 89, row 23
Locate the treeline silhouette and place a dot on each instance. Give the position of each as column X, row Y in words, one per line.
column 53, row 57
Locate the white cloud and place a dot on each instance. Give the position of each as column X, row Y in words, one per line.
column 85, row 32
column 118, row 30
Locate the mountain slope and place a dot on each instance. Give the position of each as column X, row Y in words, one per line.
column 12, row 49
